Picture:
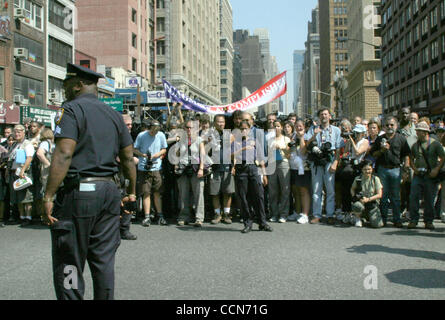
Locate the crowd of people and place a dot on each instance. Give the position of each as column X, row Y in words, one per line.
column 193, row 169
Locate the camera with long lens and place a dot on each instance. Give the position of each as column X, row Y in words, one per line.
column 294, row 143
column 320, row 156
column 359, row 195
column 346, row 135
column 149, row 163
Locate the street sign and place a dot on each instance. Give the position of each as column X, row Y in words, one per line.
column 43, row 115
column 115, row 103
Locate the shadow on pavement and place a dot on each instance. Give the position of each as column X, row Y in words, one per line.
column 364, row 249
column 421, row 278
column 207, row 228
column 438, row 233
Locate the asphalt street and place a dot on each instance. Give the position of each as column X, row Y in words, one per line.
column 295, row 262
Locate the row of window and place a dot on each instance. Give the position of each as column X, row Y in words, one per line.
column 60, row 16
column 33, row 13
column 422, row 59
column 428, row 23
column 418, row 90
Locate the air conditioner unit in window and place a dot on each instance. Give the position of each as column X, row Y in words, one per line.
column 18, row 98
column 21, row 53
column 19, row 13
column 53, row 96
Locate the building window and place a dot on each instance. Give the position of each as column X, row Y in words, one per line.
column 134, row 40
column 59, row 17
column 134, row 64
column 56, row 85
column 33, row 13
column 59, row 52
column 31, row 89
column 35, row 49
column 134, row 15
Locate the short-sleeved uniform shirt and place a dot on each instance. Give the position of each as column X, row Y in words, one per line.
column 99, row 131
column 146, row 143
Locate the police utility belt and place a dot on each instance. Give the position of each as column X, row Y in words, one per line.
column 74, row 181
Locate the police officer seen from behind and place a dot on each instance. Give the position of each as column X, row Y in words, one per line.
column 84, row 217
column 247, row 151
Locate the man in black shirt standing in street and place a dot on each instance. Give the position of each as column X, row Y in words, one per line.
column 84, row 218
column 391, row 151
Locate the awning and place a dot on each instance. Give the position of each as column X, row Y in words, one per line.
column 438, row 108
column 9, row 113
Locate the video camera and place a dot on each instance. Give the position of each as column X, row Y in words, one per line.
column 149, row 163
column 346, row 135
column 320, row 156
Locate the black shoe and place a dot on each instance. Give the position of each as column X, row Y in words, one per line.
column 266, row 227
column 128, row 236
column 162, row 221
column 398, row 225
column 247, row 229
column 25, row 223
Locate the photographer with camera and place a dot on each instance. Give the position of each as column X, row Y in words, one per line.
column 150, row 147
column 323, row 143
column 356, row 146
column 190, row 151
column 391, row 150
column 366, row 193
column 424, row 161
column 300, row 174
column 279, row 180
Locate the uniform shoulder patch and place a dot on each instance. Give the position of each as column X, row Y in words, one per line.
column 59, row 115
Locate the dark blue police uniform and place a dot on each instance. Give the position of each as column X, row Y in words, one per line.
column 88, row 204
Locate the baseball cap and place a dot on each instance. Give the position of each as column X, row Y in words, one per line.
column 359, row 128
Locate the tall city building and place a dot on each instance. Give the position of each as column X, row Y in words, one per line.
column 237, row 77
column 264, row 38
column 365, row 69
column 188, row 43
column 413, row 56
column 249, row 49
column 310, row 83
column 119, row 33
column 227, row 51
column 298, row 61
column 27, row 68
column 333, row 52
column 274, row 106
column 61, row 46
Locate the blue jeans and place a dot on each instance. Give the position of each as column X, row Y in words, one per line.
column 430, row 189
column 391, row 180
column 321, row 176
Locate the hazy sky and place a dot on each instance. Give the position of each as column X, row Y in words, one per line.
column 286, row 21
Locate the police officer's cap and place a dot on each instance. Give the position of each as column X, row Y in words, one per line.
column 73, row 71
